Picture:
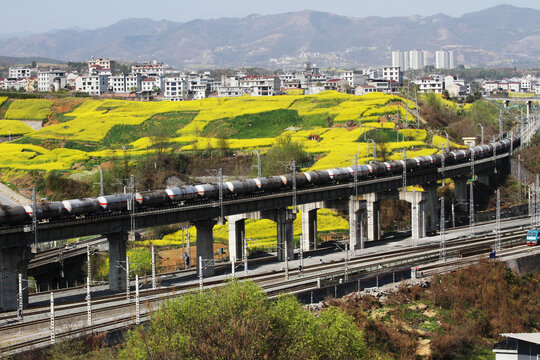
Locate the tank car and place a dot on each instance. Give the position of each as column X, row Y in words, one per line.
column 208, row 191
column 114, row 202
column 271, row 183
column 241, row 187
column 13, row 214
column 155, row 198
column 338, row 174
column 47, row 210
column 185, row 193
column 82, row 206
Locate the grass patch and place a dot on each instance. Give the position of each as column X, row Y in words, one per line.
column 260, row 125
column 29, row 109
column 317, row 120
column 380, row 136
column 167, row 123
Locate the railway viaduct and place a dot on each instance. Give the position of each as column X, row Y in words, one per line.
column 360, row 199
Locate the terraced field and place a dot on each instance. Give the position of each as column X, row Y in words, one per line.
column 98, row 129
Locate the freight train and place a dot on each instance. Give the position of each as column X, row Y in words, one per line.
column 50, row 211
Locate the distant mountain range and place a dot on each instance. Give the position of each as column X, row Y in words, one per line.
column 501, row 35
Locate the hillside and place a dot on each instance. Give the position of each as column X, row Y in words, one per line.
column 486, row 37
column 99, row 130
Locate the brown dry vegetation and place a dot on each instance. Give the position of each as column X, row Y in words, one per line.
column 459, row 317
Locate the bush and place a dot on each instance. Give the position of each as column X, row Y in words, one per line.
column 239, row 322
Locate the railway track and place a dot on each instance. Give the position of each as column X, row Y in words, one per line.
column 273, row 284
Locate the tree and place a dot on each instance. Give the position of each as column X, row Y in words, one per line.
column 239, row 322
column 284, row 151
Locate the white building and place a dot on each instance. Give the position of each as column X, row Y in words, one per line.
column 153, row 69
column 94, row 63
column 416, row 59
column 518, row 346
column 52, row 80
column 174, row 88
column 149, row 84
column 400, row 59
column 392, row 73
column 19, row 73
column 261, row 85
column 433, row 84
column 444, row 59
column 125, row 83
column 232, row 91
column 354, row 78
column 364, row 89
column 92, row 84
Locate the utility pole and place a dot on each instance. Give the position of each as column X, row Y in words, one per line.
column 453, row 215
column 519, row 177
column 498, row 226
column 200, row 274
column 301, row 255
column 34, row 218
column 286, row 261
column 293, row 166
column 471, row 200
column 20, row 298
column 153, row 268
column 132, row 201
column 356, row 175
column 500, row 125
column 537, row 203
column 188, row 237
column 259, row 170
column 88, row 302
column 88, row 263
column 221, row 218
column 101, row 192
column 137, row 301
column 442, row 253
column 127, row 278
column 53, row 338
column 404, row 169
column 245, row 256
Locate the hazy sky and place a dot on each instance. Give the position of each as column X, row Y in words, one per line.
column 41, row 15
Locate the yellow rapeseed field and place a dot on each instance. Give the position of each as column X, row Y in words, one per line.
column 29, row 109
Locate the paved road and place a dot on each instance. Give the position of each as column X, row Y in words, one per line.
column 10, row 197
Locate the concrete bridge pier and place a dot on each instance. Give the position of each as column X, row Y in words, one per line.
column 205, row 245
column 529, row 109
column 461, row 192
column 117, row 261
column 356, row 223
column 237, row 234
column 309, row 225
column 431, row 207
column 418, row 213
column 506, row 103
column 373, row 206
column 14, row 261
column 284, row 219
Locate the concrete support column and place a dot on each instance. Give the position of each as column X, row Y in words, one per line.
column 237, row 234
column 417, row 199
column 309, row 226
column 506, row 103
column 461, row 192
column 373, row 217
column 13, row 261
column 431, row 207
column 529, row 108
column 117, row 261
column 284, row 219
column 356, row 224
column 205, row 245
